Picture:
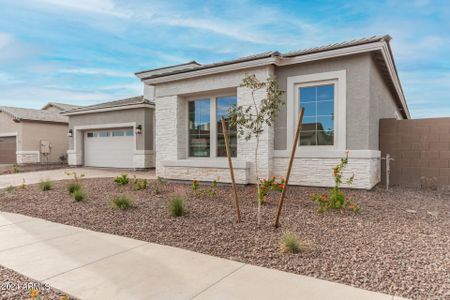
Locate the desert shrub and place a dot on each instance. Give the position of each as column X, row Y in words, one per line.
column 76, row 176
column 176, row 206
column 122, row 202
column 267, row 185
column 46, row 185
column 122, row 179
column 10, row 189
column 336, row 198
column 290, row 243
column 23, row 185
column 15, row 168
column 73, row 187
column 195, row 185
column 140, row 183
column 79, row 195
column 157, row 185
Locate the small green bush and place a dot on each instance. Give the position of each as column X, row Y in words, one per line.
column 176, row 206
column 122, row 179
column 79, row 195
column 10, row 189
column 73, row 187
column 140, row 183
column 122, row 202
column 291, row 244
column 46, row 185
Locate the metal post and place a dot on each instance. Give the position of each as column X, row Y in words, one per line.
column 388, row 169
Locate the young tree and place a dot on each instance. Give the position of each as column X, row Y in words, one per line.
column 250, row 120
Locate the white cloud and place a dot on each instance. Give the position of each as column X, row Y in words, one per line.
column 36, row 96
column 5, row 39
column 6, row 78
column 104, row 7
column 97, row 72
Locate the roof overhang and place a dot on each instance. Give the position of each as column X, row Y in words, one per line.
column 107, row 109
column 379, row 46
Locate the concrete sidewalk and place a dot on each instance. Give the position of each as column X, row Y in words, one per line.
column 93, row 265
column 60, row 174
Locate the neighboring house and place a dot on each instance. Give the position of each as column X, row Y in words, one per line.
column 345, row 89
column 32, row 135
column 116, row 134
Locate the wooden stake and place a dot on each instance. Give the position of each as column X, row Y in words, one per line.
column 230, row 164
column 291, row 161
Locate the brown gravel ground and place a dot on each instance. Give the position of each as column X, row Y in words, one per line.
column 16, row 286
column 8, row 169
column 398, row 244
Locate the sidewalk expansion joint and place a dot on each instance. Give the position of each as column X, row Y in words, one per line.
column 216, row 282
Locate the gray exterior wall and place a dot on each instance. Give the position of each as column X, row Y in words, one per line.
column 368, row 98
column 382, row 104
column 358, row 86
column 143, row 116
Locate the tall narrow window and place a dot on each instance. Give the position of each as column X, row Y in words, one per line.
column 223, row 104
column 318, row 120
column 199, row 128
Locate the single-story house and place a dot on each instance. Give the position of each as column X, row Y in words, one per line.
column 33, row 135
column 346, row 88
column 116, row 134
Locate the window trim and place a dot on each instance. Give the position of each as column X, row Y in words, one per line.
column 297, row 97
column 213, row 123
column 338, row 78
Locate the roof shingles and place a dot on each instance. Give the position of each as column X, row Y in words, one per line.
column 29, row 114
column 110, row 104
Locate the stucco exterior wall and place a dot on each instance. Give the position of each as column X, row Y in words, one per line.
column 358, row 87
column 382, row 105
column 138, row 115
column 368, row 99
column 143, row 156
column 55, row 133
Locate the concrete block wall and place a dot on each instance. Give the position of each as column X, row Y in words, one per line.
column 421, row 151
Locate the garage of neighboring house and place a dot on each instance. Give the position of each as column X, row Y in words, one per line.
column 33, row 135
column 8, row 148
column 116, row 134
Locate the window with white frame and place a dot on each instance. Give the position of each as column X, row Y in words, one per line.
column 206, row 137
column 318, row 118
column 324, row 97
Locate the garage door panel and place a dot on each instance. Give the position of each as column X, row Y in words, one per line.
column 105, row 149
column 8, row 150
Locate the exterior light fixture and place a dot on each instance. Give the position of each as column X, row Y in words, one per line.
column 139, row 129
column 70, row 133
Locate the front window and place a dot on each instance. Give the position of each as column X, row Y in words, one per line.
column 223, row 104
column 199, row 128
column 318, row 119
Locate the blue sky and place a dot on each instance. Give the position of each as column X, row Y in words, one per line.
column 86, row 51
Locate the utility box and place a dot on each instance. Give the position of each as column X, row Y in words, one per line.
column 45, row 147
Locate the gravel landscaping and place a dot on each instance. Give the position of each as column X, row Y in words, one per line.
column 11, row 169
column 398, row 244
column 16, row 286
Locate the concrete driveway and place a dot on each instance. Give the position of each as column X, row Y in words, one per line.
column 93, row 265
column 60, row 174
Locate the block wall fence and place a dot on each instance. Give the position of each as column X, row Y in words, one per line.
column 420, row 149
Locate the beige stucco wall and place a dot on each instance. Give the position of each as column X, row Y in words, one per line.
column 9, row 127
column 55, row 133
column 142, row 116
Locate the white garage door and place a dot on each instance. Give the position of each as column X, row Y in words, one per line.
column 109, row 148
